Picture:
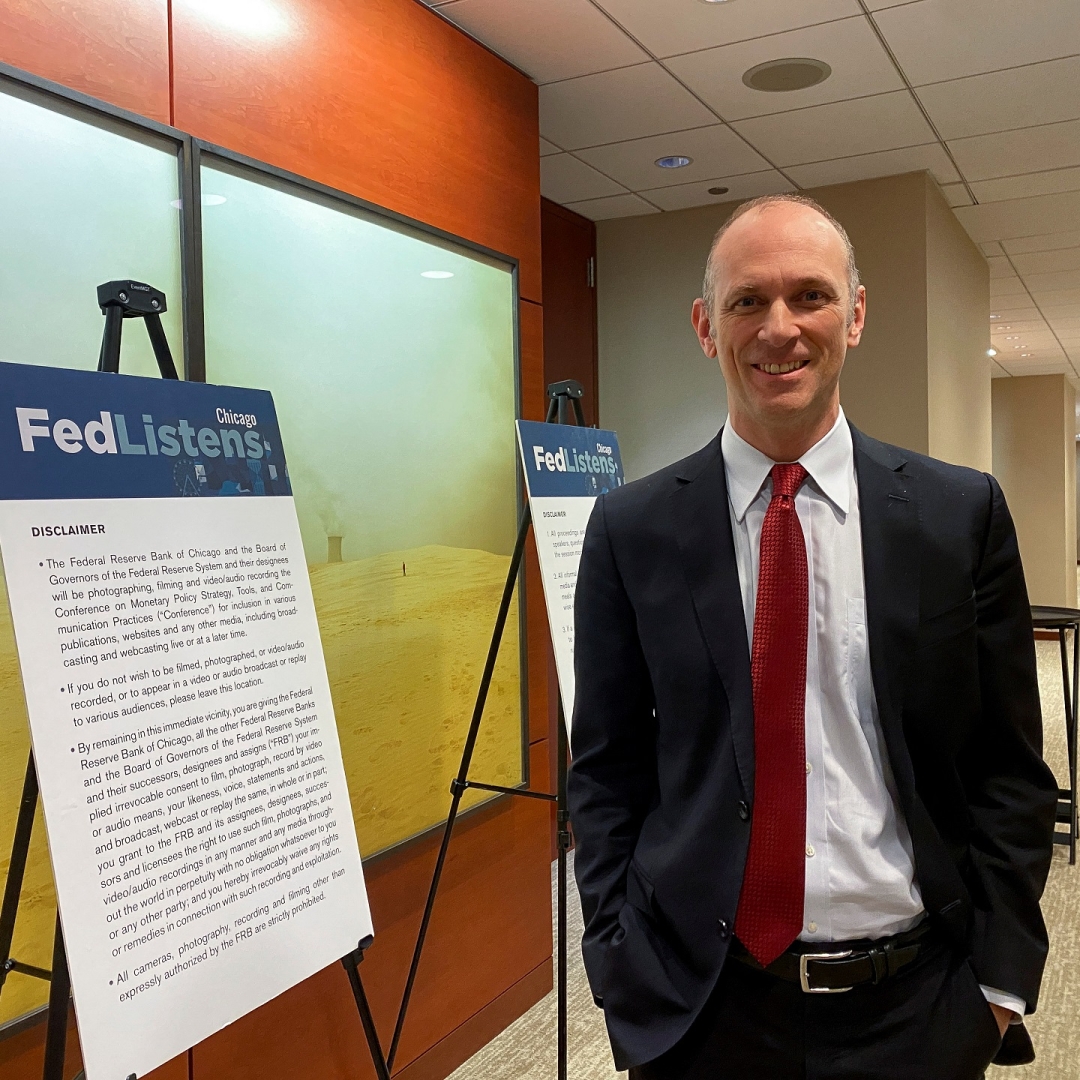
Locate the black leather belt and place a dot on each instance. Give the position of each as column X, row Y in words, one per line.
column 836, row 969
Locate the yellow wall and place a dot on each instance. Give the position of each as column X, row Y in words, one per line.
column 1035, row 463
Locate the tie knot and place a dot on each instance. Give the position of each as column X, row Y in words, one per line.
column 787, row 479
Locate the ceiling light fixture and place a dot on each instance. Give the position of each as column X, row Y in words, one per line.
column 715, row 1
column 991, row 352
column 995, row 316
column 437, row 275
column 789, row 73
column 673, row 161
column 719, row 190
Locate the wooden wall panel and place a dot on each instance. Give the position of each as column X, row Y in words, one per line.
column 115, row 50
column 382, row 99
column 23, row 1055
column 491, row 928
column 570, row 343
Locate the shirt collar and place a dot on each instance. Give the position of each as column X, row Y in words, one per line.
column 830, row 463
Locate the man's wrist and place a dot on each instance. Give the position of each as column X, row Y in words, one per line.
column 1016, row 1005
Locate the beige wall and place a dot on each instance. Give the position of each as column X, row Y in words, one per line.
column 1034, row 447
column 958, row 336
column 666, row 399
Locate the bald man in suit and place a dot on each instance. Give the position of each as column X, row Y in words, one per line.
column 813, row 823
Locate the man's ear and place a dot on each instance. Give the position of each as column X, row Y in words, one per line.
column 703, row 328
column 858, row 319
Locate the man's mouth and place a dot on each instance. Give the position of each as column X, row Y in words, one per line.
column 782, row 369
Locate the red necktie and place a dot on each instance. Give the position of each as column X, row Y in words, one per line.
column 770, row 911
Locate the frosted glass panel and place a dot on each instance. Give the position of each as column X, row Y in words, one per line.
column 396, row 397
column 81, row 204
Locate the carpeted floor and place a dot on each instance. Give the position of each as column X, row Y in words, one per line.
column 526, row 1049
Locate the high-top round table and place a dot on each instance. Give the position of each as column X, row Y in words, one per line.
column 1062, row 620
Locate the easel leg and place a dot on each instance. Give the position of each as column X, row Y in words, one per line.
column 20, row 847
column 458, row 787
column 59, row 993
column 351, row 964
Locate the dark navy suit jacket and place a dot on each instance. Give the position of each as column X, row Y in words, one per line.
column 663, row 729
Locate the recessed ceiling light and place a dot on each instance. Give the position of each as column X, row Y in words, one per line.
column 995, row 316
column 437, row 274
column 991, row 352
column 715, row 1
column 719, row 190
column 673, row 161
column 789, row 73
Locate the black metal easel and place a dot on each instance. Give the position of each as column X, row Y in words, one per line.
column 562, row 397
column 118, row 300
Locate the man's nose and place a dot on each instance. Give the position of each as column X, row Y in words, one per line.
column 779, row 326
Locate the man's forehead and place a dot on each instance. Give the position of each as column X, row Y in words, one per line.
column 789, row 235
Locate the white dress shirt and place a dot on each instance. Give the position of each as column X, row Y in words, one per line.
column 860, row 868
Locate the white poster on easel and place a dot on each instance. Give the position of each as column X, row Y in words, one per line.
column 566, row 469
column 199, row 822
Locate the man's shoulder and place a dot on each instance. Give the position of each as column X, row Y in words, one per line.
column 641, row 498
column 933, row 474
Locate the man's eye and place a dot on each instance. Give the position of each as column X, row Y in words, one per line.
column 813, row 295
column 745, row 302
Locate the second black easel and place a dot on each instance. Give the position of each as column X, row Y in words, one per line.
column 118, row 300
column 563, row 398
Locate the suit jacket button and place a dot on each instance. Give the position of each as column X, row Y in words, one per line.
column 744, row 811
column 723, row 927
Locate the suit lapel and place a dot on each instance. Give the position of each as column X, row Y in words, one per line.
column 889, row 511
column 703, row 532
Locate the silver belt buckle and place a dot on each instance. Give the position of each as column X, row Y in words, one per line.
column 804, row 979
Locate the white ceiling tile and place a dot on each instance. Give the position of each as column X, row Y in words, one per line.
column 1052, row 299
column 564, row 179
column 1027, row 311
column 1001, row 330
column 1040, row 283
column 680, row 26
column 1018, row 97
column 617, row 105
column 749, row 186
column 930, row 157
column 1046, row 262
column 860, row 66
column 1004, row 287
column 1010, row 153
column 841, row 129
column 992, row 248
column 947, row 39
column 548, row 148
column 1044, row 242
column 1037, row 367
column 548, row 40
column 1021, row 217
column 956, row 194
column 614, row 207
column 714, row 151
column 1022, row 187
column 1061, row 311
column 1027, row 342
column 999, row 267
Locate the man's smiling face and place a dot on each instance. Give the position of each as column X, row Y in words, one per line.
column 782, row 318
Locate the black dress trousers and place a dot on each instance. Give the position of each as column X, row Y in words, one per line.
column 928, row 1022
